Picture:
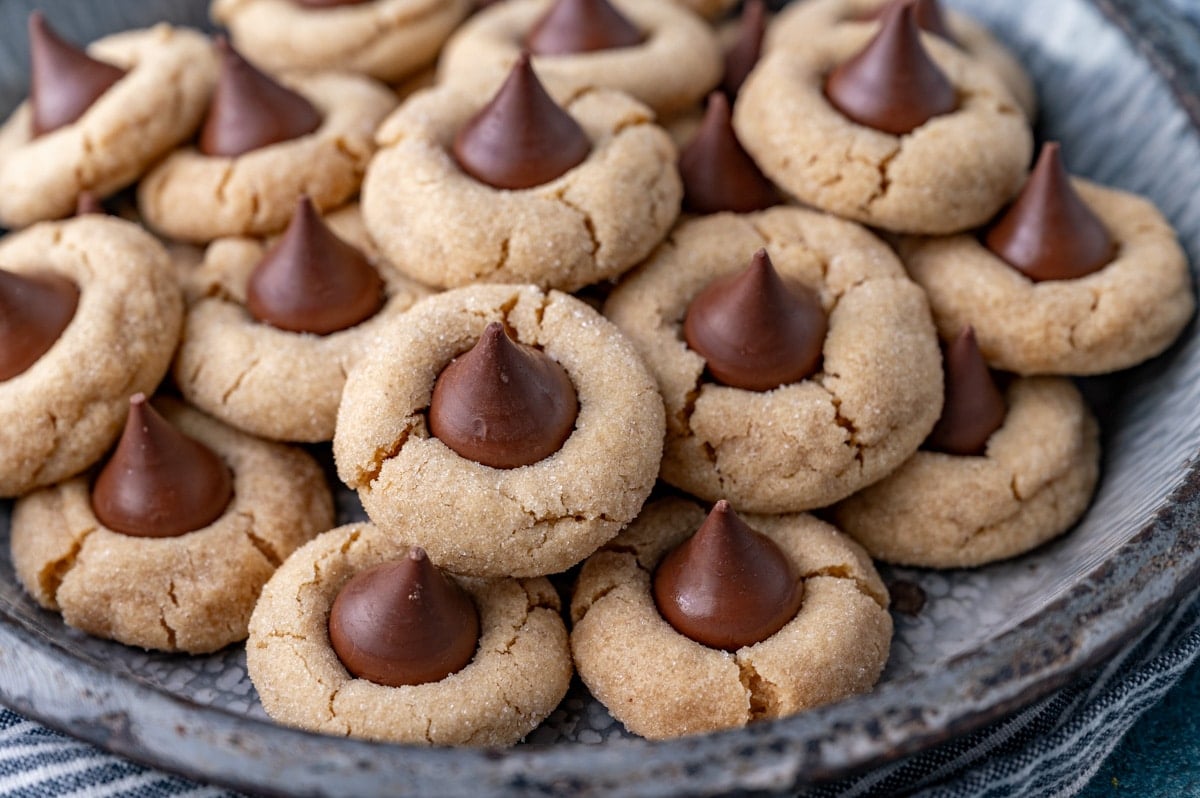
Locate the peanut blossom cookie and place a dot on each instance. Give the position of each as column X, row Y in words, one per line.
column 768, row 405
column 357, row 636
column 262, row 146
column 505, row 430
column 652, row 50
column 89, row 310
column 520, row 189
column 1073, row 278
column 168, row 548
column 96, row 121
column 686, row 624
column 272, row 332
column 897, row 130
column 386, row 39
column 1000, row 474
column 802, row 23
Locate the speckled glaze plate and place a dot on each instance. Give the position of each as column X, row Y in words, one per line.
column 1116, row 79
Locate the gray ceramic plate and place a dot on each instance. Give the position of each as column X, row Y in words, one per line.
column 986, row 642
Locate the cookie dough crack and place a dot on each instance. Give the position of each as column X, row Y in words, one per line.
column 51, row 577
column 763, row 695
column 167, row 629
column 585, row 217
column 237, row 382
column 264, row 547
column 846, row 572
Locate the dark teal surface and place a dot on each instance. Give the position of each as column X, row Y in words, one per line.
column 1161, row 754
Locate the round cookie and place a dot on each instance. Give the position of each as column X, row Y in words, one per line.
column 61, row 414
column 261, row 379
column 193, row 592
column 439, row 225
column 386, row 39
column 660, row 683
column 801, row 23
column 1128, row 311
column 170, row 73
column 198, row 198
column 474, row 519
column 519, row 674
column 675, row 65
column 949, row 174
column 809, row 443
column 946, row 511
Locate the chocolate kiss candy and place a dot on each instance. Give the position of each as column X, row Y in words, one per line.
column 892, row 84
column 927, row 13
column 581, row 26
column 522, row 138
column 718, row 174
column 1049, row 233
column 503, row 404
column 158, row 482
column 312, row 281
column 744, row 54
column 250, row 110
column 755, row 330
column 727, row 586
column 86, row 204
column 974, row 407
column 403, row 622
column 34, row 311
column 65, row 80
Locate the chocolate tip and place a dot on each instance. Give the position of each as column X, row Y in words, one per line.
column 722, row 506
column 137, row 400
column 221, row 42
column 417, row 554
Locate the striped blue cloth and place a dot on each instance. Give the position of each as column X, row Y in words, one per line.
column 1052, row 748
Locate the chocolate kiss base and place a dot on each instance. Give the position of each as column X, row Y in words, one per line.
column 34, row 311
column 581, row 26
column 973, row 408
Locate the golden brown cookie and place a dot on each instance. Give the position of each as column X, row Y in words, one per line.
column 475, row 519
column 199, row 198
column 520, row 672
column 193, row 592
column 947, row 511
column 267, row 381
column 441, row 226
column 386, row 39
column 1128, row 311
column 949, row 174
column 809, row 443
column 170, row 74
column 676, row 63
column 660, row 683
column 59, row 415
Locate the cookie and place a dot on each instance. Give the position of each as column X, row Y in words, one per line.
column 661, row 683
column 385, row 39
column 273, row 382
column 950, row 173
column 444, row 227
column 814, row 441
column 197, row 198
column 674, row 64
column 59, row 415
column 482, row 520
column 192, row 592
column 798, row 24
column 947, row 511
column 518, row 674
column 156, row 104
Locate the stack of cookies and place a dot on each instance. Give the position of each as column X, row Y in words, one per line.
column 595, row 287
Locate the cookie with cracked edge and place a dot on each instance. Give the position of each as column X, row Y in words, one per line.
column 518, row 675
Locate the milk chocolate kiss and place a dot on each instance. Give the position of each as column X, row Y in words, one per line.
column 747, row 48
column 250, row 110
column 65, row 80
column 727, row 586
column 403, row 622
column 892, row 85
column 1049, row 233
column 158, row 482
column 34, row 311
column 312, row 281
column 927, row 13
column 755, row 330
column 581, row 26
column 718, row 174
column 522, row 138
column 87, row 204
column 974, row 408
column 503, row 404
